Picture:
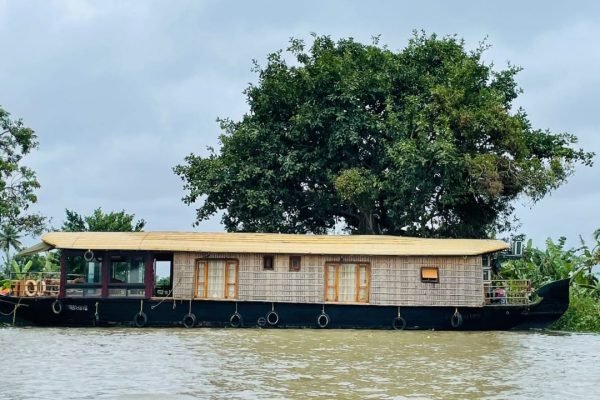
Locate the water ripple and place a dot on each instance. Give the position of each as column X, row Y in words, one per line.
column 281, row 364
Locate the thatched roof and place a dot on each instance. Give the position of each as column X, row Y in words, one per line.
column 269, row 243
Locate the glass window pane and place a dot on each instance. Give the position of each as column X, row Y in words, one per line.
column 200, row 280
column 127, row 270
column 81, row 271
column 216, row 279
column 331, row 293
column 231, row 276
column 347, row 283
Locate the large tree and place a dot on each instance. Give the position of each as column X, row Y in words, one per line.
column 99, row 221
column 423, row 141
column 18, row 183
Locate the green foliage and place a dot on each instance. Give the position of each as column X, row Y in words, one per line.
column 557, row 262
column 163, row 282
column 115, row 221
column 18, row 183
column 583, row 315
column 19, row 271
column 10, row 239
column 423, row 141
column 48, row 262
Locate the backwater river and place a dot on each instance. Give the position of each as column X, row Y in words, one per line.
column 115, row 363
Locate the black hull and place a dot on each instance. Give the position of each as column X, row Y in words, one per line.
column 169, row 313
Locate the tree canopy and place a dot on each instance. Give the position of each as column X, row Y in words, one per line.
column 424, row 141
column 98, row 221
column 18, row 183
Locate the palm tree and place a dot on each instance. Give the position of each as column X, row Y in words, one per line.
column 597, row 247
column 9, row 239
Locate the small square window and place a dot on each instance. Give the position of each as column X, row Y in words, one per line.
column 295, row 263
column 268, row 263
column 430, row 274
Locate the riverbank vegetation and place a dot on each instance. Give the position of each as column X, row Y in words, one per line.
column 556, row 262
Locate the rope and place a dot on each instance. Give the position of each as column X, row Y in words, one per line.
column 168, row 295
column 96, row 313
column 10, row 313
column 15, row 311
column 12, row 302
column 455, row 312
column 399, row 313
column 190, row 307
column 141, row 306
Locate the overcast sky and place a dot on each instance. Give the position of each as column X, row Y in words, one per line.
column 120, row 92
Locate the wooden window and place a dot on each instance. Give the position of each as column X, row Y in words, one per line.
column 362, row 283
column 347, row 282
column 268, row 263
column 216, row 279
column 295, row 262
column 430, row 274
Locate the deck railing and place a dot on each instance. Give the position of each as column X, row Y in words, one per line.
column 500, row 292
column 35, row 284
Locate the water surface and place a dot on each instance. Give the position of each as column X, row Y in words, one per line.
column 252, row 363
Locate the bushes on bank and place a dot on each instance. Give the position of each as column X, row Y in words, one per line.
column 583, row 315
column 556, row 262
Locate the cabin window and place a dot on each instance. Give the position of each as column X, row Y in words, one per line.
column 216, row 279
column 163, row 274
column 430, row 274
column 126, row 277
column 486, row 262
column 83, row 275
column 347, row 282
column 295, row 262
column 268, row 263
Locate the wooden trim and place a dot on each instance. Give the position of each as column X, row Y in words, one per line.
column 204, row 262
column 291, row 267
column 430, row 280
column 105, row 275
column 272, row 257
column 367, row 286
column 63, row 275
column 335, row 266
column 337, row 282
column 148, row 275
column 205, row 279
column 357, row 287
column 235, row 283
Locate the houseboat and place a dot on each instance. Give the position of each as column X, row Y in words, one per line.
column 241, row 280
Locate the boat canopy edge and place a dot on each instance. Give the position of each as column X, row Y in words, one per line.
column 38, row 248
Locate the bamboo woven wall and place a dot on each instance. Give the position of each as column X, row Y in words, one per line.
column 395, row 280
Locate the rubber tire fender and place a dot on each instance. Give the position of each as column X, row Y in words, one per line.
column 270, row 315
column 323, row 320
column 457, row 320
column 236, row 320
column 57, row 306
column 140, row 319
column 398, row 323
column 189, row 320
